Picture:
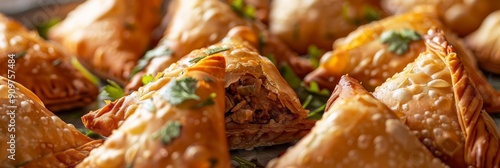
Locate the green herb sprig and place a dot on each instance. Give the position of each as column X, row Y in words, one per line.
column 178, row 91
column 167, row 133
column 399, row 40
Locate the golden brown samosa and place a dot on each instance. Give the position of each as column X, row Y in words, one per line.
column 357, row 130
column 437, row 99
column 181, row 124
column 261, row 108
column 109, row 36
column 32, row 136
column 43, row 67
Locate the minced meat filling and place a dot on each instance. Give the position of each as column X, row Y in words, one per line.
column 248, row 101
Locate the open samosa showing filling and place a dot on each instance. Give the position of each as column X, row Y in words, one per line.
column 32, row 136
column 437, row 99
column 178, row 125
column 261, row 109
column 357, row 130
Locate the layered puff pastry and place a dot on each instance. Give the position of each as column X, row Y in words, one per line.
column 261, row 109
column 109, row 36
column 485, row 41
column 181, row 124
column 32, row 136
column 357, row 130
column 194, row 24
column 436, row 98
column 43, row 67
column 463, row 17
column 303, row 23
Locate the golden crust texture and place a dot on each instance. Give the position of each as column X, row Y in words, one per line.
column 302, row 23
column 41, row 138
column 274, row 118
column 484, row 42
column 463, row 17
column 148, row 139
column 357, row 130
column 109, row 36
column 43, row 67
column 437, row 99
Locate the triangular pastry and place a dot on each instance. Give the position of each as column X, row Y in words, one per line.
column 303, row 23
column 261, row 108
column 378, row 50
column 463, row 17
column 485, row 43
column 109, row 36
column 436, row 98
column 32, row 136
column 181, row 124
column 42, row 67
column 194, row 24
column 357, row 130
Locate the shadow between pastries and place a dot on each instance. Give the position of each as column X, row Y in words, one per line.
column 109, row 36
column 180, row 124
column 41, row 138
column 43, row 67
column 261, row 108
column 357, row 130
column 436, row 98
column 194, row 24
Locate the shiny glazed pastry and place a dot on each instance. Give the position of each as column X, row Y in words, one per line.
column 41, row 138
column 435, row 97
column 109, row 36
column 302, row 23
column 261, row 108
column 194, row 24
column 485, row 43
column 181, row 124
column 357, row 130
column 43, row 67
column 463, row 17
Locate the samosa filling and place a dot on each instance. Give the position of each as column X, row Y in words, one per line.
column 248, row 101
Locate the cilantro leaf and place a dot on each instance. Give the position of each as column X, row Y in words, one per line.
column 113, row 90
column 89, row 133
column 314, row 54
column 243, row 163
column 292, row 79
column 167, row 133
column 243, row 10
column 178, row 91
column 398, row 41
column 147, row 79
column 371, row 14
column 160, row 51
column 44, row 27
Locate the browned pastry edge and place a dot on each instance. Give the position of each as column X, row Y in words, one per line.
column 481, row 136
column 67, row 158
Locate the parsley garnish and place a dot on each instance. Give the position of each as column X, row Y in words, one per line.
column 159, row 51
column 314, row 54
column 178, row 91
column 149, row 105
column 399, row 40
column 209, row 101
column 85, row 72
column 113, row 90
column 147, row 79
column 371, row 14
column 242, row 9
column 243, row 163
column 43, row 28
column 208, row 52
column 167, row 133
